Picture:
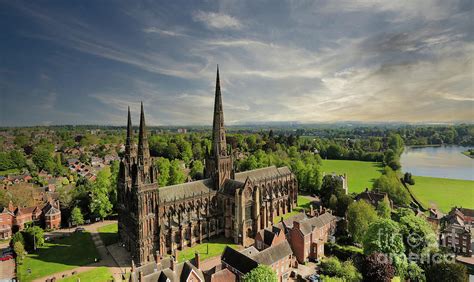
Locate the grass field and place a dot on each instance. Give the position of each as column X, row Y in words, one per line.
column 302, row 203
column 206, row 250
column 361, row 175
column 59, row 255
column 100, row 274
column 444, row 193
column 109, row 234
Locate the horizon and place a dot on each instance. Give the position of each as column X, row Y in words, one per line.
column 295, row 62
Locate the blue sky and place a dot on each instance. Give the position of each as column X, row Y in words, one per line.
column 84, row 62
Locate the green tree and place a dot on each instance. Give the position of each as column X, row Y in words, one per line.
column 447, row 271
column 418, row 236
column 360, row 215
column 76, row 216
column 415, row 273
column 389, row 183
column 164, row 166
column 19, row 250
column 100, row 204
column 346, row 271
column 34, row 237
column 261, row 273
column 177, row 175
column 17, row 237
column 43, row 160
column 114, row 174
column 197, row 171
column 383, row 208
column 18, row 159
column 383, row 236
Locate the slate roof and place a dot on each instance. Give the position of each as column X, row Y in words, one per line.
column 250, row 251
column 308, row 225
column 162, row 272
column 185, row 190
column 274, row 253
column 237, row 260
column 262, row 173
column 297, row 217
column 231, row 185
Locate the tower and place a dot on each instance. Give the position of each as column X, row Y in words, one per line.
column 218, row 161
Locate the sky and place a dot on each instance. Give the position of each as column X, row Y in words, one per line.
column 85, row 62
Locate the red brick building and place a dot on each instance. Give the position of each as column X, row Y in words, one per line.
column 269, row 237
column 308, row 236
column 48, row 216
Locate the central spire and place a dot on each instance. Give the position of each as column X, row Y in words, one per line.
column 219, row 146
column 128, row 143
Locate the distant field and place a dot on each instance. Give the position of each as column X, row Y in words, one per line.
column 361, row 174
column 444, row 193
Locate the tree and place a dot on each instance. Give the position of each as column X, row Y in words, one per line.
column 17, row 237
column 261, row 273
column 19, row 250
column 114, row 174
column 378, row 268
column 43, row 160
column 383, row 208
column 408, row 178
column 415, row 273
column 389, row 183
column 383, row 236
column 34, row 237
column 163, row 165
column 100, row 204
column 360, row 215
column 334, row 268
column 418, row 236
column 76, row 216
column 177, row 175
column 197, row 171
column 331, row 185
column 447, row 271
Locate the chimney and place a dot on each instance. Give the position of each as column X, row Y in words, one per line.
column 197, row 260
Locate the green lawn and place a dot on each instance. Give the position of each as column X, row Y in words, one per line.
column 303, row 202
column 360, row 174
column 444, row 193
column 59, row 255
column 109, row 234
column 206, row 250
column 100, row 274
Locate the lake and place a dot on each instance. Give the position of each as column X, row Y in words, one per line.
column 443, row 161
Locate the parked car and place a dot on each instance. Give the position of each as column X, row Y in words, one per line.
column 79, row 230
column 7, row 257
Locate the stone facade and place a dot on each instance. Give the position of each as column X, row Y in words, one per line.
column 236, row 205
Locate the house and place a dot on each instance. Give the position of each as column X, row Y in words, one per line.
column 373, row 197
column 269, row 237
column 48, row 215
column 6, row 223
column 279, row 257
column 237, row 263
column 308, row 236
column 457, row 238
column 167, row 269
column 434, row 218
column 456, row 234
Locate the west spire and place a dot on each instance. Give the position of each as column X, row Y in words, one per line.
column 143, row 151
column 219, row 146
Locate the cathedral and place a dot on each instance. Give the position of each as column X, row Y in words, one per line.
column 155, row 220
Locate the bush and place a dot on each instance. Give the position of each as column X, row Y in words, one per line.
column 334, row 268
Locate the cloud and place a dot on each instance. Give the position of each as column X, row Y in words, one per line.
column 217, row 20
column 162, row 31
